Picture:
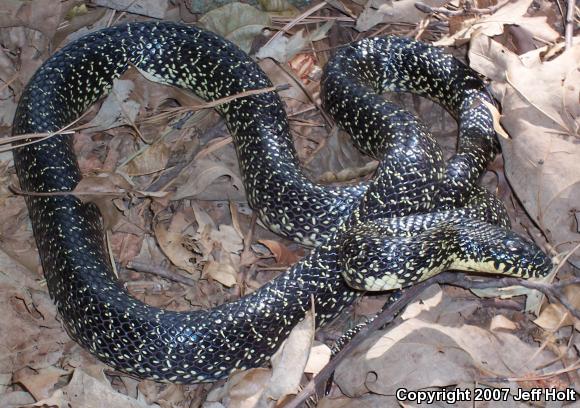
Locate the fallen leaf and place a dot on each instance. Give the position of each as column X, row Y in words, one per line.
column 281, row 252
column 500, row 322
column 117, row 109
column 540, row 109
column 240, row 23
column 262, row 387
column 243, row 389
column 87, row 392
column 203, row 173
column 365, row 401
column 41, row 15
column 389, row 11
column 30, row 335
column 319, row 357
column 228, row 238
column 175, row 245
column 283, row 48
column 151, row 159
column 555, row 316
column 40, row 383
column 461, row 352
column 512, row 13
column 222, row 272
column 289, row 362
column 150, row 8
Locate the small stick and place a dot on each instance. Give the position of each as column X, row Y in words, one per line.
column 160, row 271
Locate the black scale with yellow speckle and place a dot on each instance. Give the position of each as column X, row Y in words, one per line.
column 418, row 216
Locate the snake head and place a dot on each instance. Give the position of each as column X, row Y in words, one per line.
column 492, row 249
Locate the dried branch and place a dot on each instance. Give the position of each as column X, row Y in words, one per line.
column 460, row 12
column 162, row 272
column 172, row 112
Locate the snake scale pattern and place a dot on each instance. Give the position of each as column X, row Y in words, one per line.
column 419, row 214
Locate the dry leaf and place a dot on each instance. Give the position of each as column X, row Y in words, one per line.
column 290, row 360
column 365, row 401
column 319, row 357
column 41, row 15
column 30, row 335
column 243, row 389
column 40, row 383
column 283, row 48
column 224, row 273
column 541, row 113
column 389, row 11
column 512, row 13
column 500, row 322
column 238, row 22
column 151, row 159
column 203, row 173
column 228, row 238
column 282, row 254
column 461, row 353
column 117, row 109
column 555, row 316
column 261, row 387
column 175, row 245
column 87, row 392
column 150, row 8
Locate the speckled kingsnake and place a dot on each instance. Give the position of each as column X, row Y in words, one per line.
column 417, row 213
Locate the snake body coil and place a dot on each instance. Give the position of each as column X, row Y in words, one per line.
column 418, row 216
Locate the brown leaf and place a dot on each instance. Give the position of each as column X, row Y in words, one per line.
column 261, row 387
column 283, row 255
column 175, row 245
column 290, row 360
column 151, row 159
column 100, row 190
column 150, row 8
column 40, row 383
column 555, row 316
column 243, row 389
column 512, row 13
column 203, row 173
column 117, row 109
column 224, row 273
column 540, row 112
column 87, row 392
column 460, row 352
column 30, row 335
column 389, row 11
column 41, row 15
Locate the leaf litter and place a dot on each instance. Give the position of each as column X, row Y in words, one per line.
column 164, row 174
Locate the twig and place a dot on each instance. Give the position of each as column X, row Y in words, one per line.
column 569, row 33
column 460, row 12
column 160, row 271
column 295, row 21
column 552, row 291
column 212, row 104
column 40, row 137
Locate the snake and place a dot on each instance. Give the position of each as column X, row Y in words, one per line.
column 419, row 215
